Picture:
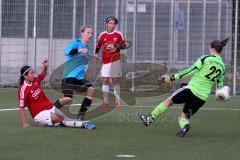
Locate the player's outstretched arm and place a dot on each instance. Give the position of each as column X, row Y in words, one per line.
column 184, row 73
column 188, row 72
column 44, row 70
column 23, row 118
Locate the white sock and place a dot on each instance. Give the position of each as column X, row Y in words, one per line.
column 117, row 92
column 105, row 90
column 74, row 123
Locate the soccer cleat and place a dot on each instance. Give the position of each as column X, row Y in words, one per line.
column 183, row 131
column 104, row 105
column 117, row 105
column 90, row 125
column 146, row 118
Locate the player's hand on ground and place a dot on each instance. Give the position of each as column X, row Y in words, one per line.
column 26, row 125
column 83, row 50
column 45, row 63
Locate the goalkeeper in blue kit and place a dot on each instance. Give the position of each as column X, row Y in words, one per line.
column 205, row 72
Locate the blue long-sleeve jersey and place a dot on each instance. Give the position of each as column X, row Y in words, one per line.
column 76, row 63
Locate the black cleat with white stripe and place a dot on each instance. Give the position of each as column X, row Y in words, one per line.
column 146, row 119
column 183, row 131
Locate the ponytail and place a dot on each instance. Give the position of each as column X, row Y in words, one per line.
column 224, row 42
column 21, row 79
column 218, row 45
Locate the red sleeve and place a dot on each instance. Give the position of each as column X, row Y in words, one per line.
column 41, row 76
column 38, row 79
column 100, row 41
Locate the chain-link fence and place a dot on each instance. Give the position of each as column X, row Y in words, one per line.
column 169, row 32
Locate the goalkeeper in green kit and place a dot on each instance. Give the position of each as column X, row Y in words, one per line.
column 205, row 72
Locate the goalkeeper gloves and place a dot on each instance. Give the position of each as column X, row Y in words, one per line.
column 166, row 79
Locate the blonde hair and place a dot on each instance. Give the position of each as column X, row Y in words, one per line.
column 83, row 28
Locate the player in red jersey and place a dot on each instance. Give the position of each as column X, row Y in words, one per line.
column 109, row 41
column 42, row 110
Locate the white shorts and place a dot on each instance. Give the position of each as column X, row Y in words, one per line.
column 113, row 69
column 44, row 117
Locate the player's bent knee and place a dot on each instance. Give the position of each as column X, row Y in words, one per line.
column 65, row 100
column 168, row 102
column 116, row 81
column 91, row 90
column 106, row 80
column 57, row 118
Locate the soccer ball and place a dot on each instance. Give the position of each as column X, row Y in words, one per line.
column 223, row 94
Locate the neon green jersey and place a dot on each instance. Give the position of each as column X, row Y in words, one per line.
column 205, row 72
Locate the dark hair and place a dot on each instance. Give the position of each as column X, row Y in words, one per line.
column 218, row 45
column 83, row 28
column 111, row 18
column 23, row 71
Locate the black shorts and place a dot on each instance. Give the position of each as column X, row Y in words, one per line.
column 191, row 102
column 69, row 85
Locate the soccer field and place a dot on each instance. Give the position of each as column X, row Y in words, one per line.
column 214, row 134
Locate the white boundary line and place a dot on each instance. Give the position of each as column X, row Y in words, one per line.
column 10, row 109
column 203, row 108
column 125, row 156
column 216, row 109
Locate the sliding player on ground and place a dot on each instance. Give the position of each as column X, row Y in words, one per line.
column 42, row 110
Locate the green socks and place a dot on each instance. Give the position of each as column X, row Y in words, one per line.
column 182, row 122
column 160, row 109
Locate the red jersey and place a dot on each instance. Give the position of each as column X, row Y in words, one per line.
column 33, row 97
column 106, row 38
